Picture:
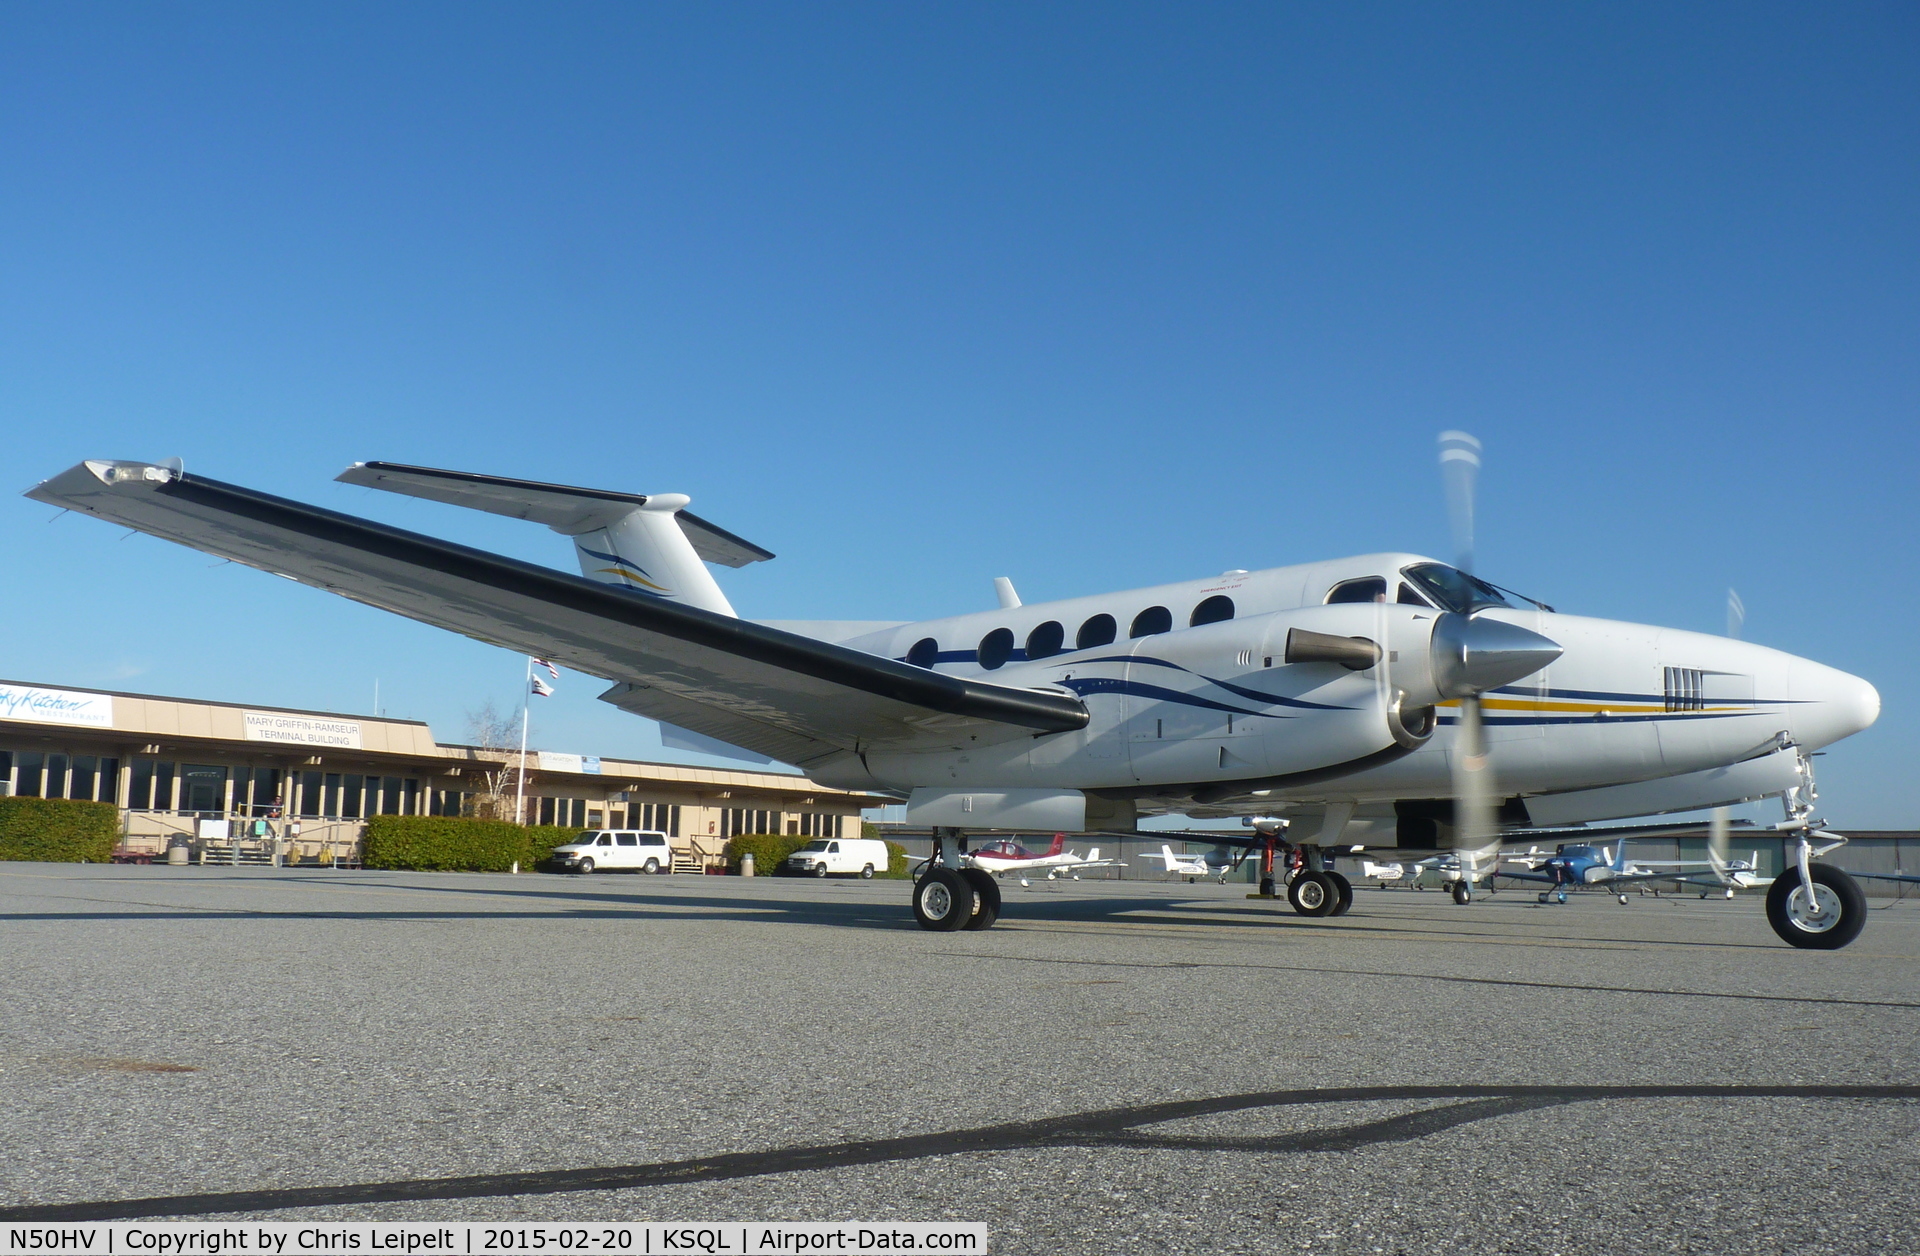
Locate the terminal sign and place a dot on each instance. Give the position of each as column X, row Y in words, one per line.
column 303, row 730
column 55, row 706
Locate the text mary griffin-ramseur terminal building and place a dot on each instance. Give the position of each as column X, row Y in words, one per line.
column 310, row 778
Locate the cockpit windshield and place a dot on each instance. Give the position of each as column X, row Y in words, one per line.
column 1453, row 589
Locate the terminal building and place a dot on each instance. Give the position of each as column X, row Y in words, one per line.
column 250, row 781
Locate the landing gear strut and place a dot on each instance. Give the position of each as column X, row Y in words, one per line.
column 1811, row 905
column 947, row 897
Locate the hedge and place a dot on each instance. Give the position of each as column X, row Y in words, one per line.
column 770, row 850
column 453, row 844
column 53, row 830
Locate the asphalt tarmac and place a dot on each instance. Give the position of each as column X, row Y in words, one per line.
column 1116, row 1067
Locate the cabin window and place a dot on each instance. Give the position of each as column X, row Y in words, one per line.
column 1151, row 622
column 1215, row 609
column 925, row 652
column 996, row 648
column 1045, row 641
column 1099, row 630
column 1372, row 589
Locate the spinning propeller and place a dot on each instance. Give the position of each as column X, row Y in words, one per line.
column 1482, row 654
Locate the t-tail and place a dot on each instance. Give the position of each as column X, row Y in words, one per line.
column 646, row 543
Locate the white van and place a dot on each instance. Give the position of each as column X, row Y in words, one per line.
column 855, row 856
column 616, row 850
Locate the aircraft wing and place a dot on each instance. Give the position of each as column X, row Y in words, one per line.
column 794, row 698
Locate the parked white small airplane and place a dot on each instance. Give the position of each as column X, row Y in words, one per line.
column 1370, row 699
column 1211, row 863
column 1390, row 873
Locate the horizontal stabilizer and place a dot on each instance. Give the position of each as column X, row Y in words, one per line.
column 567, row 510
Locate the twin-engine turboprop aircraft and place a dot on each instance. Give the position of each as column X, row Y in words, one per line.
column 1352, row 697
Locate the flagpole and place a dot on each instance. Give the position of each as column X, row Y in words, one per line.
column 520, row 790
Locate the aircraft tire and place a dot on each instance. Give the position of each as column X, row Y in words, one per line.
column 1313, row 894
column 986, row 899
column 1845, row 913
column 1462, row 895
column 943, row 900
column 1344, row 887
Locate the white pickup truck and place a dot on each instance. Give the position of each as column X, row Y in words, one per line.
column 854, row 856
column 616, row 850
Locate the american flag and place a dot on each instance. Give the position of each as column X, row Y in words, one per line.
column 542, row 688
column 551, row 669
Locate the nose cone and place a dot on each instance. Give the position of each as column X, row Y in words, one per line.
column 1829, row 704
column 1474, row 654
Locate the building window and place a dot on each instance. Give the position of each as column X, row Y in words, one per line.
column 203, row 788
column 86, row 771
column 109, row 781
column 56, row 776
column 266, row 794
column 6, row 772
column 312, row 797
column 27, row 771
column 352, row 795
column 163, row 786
column 330, row 795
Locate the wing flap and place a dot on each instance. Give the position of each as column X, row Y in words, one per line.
column 789, row 685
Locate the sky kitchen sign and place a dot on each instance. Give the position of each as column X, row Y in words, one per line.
column 55, row 706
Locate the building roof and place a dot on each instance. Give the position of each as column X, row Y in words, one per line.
column 268, row 731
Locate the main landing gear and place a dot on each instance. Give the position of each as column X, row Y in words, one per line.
column 948, row 898
column 1312, row 888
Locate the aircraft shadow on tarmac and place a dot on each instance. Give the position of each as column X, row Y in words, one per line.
column 1109, row 1127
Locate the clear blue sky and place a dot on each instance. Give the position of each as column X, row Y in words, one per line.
column 1091, row 296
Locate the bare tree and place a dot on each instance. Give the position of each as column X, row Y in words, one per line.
column 497, row 737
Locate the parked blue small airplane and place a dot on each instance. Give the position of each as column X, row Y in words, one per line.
column 1579, row 865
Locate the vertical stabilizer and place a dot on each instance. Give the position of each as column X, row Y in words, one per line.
column 648, row 543
column 646, row 551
